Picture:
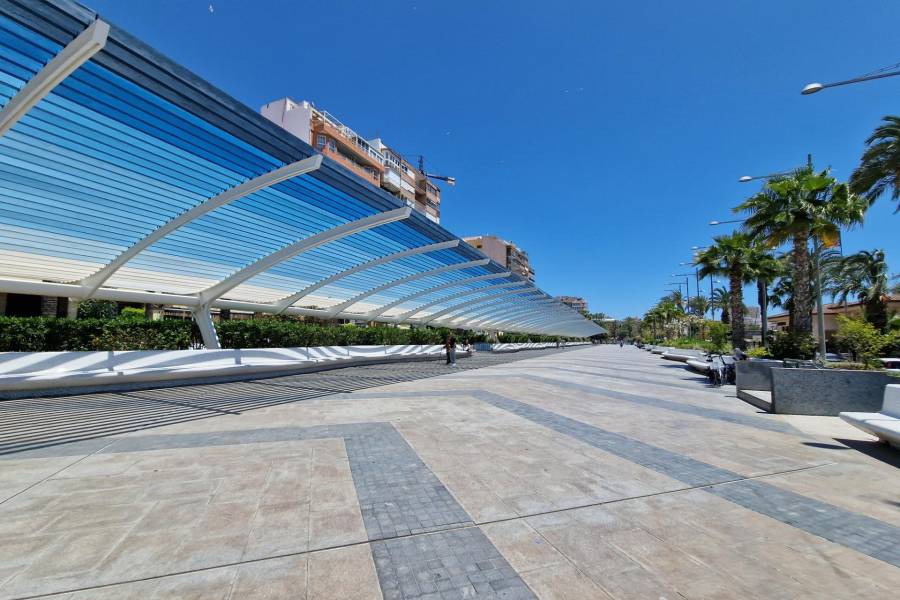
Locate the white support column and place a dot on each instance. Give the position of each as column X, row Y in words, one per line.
column 463, row 306
column 445, row 269
column 284, row 303
column 207, row 328
column 457, row 295
column 301, row 167
column 77, row 52
column 216, row 291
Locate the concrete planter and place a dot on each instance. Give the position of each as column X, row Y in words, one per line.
column 755, row 374
column 827, row 392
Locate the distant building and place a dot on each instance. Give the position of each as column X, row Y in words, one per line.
column 372, row 160
column 576, row 302
column 851, row 309
column 506, row 253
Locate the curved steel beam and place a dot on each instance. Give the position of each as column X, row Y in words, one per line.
column 399, row 301
column 494, row 317
column 77, row 52
column 487, row 288
column 284, row 303
column 472, row 304
column 301, row 167
column 371, row 292
column 308, row 243
column 478, row 312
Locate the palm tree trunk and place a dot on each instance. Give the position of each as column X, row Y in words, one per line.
column 762, row 289
column 876, row 314
column 737, row 309
column 802, row 296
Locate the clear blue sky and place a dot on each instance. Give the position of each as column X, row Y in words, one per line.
column 601, row 137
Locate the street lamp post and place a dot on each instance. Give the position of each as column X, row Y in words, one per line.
column 820, row 316
column 882, row 73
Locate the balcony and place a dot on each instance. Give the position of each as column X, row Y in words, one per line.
column 391, row 180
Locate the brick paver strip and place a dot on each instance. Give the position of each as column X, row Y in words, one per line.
column 689, row 409
column 400, row 499
column 864, row 534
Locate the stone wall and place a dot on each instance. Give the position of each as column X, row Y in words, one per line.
column 755, row 374
column 827, row 391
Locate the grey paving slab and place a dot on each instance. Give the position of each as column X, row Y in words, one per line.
column 456, row 564
column 862, row 533
column 689, row 409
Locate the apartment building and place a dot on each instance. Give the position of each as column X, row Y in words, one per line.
column 506, row 253
column 372, row 160
column 576, row 302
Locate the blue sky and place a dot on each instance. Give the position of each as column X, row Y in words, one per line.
column 601, row 137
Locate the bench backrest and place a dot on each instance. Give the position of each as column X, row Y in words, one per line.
column 891, row 401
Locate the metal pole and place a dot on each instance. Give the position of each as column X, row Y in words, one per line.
column 820, row 312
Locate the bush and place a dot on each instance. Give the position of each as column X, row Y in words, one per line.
column 38, row 334
column 847, row 366
column 761, row 352
column 97, row 309
column 859, row 338
column 789, row 344
column 719, row 334
column 132, row 312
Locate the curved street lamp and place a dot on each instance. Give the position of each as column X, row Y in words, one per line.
column 812, row 88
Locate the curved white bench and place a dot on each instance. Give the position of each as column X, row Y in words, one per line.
column 884, row 425
column 698, row 365
column 42, row 373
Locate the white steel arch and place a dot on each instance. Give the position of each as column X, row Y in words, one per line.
column 301, row 167
column 288, row 301
column 418, row 309
column 486, row 299
column 398, row 302
column 475, row 313
column 77, row 52
column 444, row 286
column 371, row 292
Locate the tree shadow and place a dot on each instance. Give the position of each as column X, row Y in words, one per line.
column 877, row 450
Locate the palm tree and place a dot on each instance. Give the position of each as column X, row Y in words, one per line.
column 721, row 299
column 864, row 275
column 879, row 168
column 698, row 305
column 730, row 255
column 764, row 268
column 805, row 205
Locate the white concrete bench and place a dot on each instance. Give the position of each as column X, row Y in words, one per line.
column 699, row 365
column 23, row 373
column 884, row 425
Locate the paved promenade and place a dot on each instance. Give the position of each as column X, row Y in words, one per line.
column 597, row 472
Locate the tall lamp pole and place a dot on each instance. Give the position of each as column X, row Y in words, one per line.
column 817, row 250
column 889, row 71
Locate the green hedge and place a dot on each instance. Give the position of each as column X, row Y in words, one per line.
column 39, row 334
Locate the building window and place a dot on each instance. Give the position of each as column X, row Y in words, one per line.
column 320, row 141
column 332, row 145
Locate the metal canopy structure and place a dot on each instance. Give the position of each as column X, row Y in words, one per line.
column 124, row 176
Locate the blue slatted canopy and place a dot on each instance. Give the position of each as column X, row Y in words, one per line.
column 120, row 179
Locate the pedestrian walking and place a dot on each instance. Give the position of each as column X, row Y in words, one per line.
column 450, row 346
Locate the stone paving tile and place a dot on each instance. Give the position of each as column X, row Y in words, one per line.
column 690, row 409
column 456, row 564
column 860, row 532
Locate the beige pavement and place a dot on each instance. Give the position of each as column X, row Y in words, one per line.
column 592, row 473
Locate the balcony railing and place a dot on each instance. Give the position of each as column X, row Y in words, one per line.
column 353, row 136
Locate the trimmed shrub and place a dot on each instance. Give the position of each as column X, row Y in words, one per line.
column 38, row 334
column 132, row 312
column 788, row 344
column 97, row 309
